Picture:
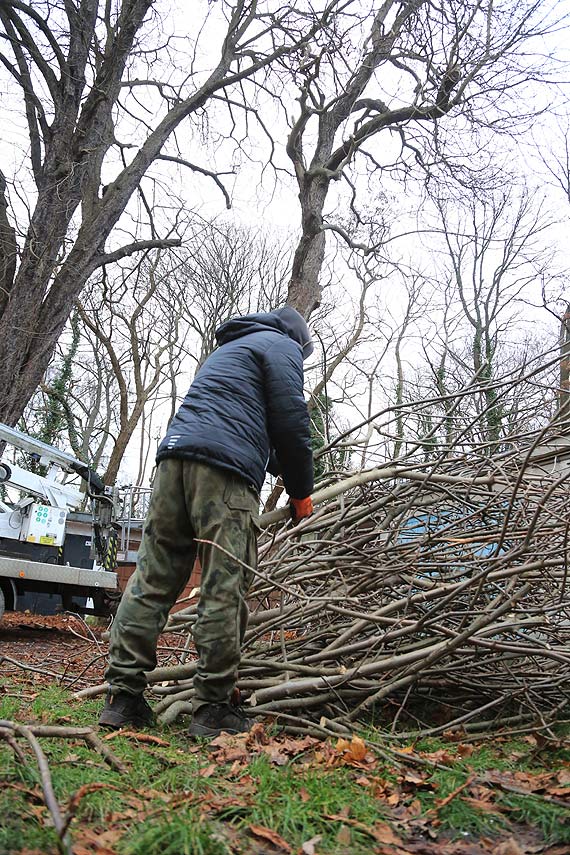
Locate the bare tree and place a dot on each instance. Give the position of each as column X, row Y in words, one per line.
column 495, row 252
column 228, row 270
column 414, row 67
column 140, row 331
column 79, row 72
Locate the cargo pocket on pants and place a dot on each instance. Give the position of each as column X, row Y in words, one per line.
column 239, row 496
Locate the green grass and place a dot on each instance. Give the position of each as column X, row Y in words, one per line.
column 166, row 806
column 552, row 820
column 298, row 799
column 183, row 833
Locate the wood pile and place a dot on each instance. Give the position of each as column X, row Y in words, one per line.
column 432, row 594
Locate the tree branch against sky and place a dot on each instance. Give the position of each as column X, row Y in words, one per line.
column 110, row 101
column 76, row 70
column 380, row 94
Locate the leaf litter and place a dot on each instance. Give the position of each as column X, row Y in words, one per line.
column 405, row 823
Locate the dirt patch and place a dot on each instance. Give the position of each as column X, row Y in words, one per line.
column 65, row 649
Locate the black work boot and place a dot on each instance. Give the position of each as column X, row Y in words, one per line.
column 123, row 709
column 210, row 720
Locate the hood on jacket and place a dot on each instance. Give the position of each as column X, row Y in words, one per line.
column 286, row 321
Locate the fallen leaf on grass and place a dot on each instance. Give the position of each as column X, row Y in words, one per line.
column 344, row 837
column 139, row 737
column 381, row 831
column 465, row 750
column 508, row 847
column 355, row 749
column 271, row 836
column 440, row 803
column 276, row 755
column 79, row 849
column 229, row 748
column 90, row 842
column 208, row 771
column 308, row 848
column 35, row 794
column 442, row 757
column 83, row 791
column 417, row 778
column 480, row 804
column 559, row 791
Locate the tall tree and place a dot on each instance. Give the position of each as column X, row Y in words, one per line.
column 86, row 74
column 375, row 99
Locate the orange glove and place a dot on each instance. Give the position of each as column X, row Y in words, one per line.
column 301, row 508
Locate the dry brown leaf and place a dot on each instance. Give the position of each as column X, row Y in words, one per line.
column 344, row 837
column 308, row 848
column 230, row 755
column 79, row 849
column 257, row 735
column 298, row 746
column 386, row 835
column 464, row 750
column 208, row 771
column 228, row 740
column 354, row 750
column 480, row 804
column 442, row 756
column 508, row 847
column 559, row 791
column 304, row 795
column 415, row 808
column 91, row 842
column 381, row 831
column 271, row 836
column 413, row 777
column 71, row 758
column 84, row 790
column 139, row 737
column 276, row 756
column 537, row 781
column 236, row 768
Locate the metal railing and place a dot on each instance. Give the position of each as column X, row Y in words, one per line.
column 132, row 504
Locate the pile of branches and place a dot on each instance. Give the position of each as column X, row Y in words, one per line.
column 431, row 590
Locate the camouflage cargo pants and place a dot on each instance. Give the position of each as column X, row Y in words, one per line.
column 190, row 500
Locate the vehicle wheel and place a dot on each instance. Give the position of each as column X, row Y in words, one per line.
column 2, row 603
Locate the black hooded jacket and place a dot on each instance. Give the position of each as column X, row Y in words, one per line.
column 247, row 399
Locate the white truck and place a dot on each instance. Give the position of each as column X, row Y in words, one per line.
column 44, row 545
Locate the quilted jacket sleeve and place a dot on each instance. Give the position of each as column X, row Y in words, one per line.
column 288, row 416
